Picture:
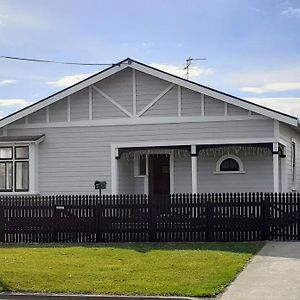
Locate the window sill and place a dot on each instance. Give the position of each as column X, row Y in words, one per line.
column 228, row 172
column 139, row 176
column 18, row 194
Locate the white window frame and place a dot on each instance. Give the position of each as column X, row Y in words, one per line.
column 229, row 156
column 136, row 166
column 33, row 169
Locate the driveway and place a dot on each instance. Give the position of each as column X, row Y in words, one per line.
column 273, row 274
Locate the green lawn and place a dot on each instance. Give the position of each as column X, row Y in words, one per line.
column 190, row 269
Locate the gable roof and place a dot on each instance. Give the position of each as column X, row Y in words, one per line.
column 128, row 62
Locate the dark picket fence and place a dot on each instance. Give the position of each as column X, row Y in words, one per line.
column 169, row 218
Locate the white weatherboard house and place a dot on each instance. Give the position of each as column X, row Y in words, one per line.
column 145, row 131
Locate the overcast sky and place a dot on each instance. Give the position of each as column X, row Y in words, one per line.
column 252, row 46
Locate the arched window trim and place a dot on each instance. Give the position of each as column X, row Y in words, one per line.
column 236, row 158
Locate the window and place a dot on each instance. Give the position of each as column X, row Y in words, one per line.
column 21, row 152
column 14, row 169
column 293, row 146
column 229, row 164
column 140, row 165
column 6, row 153
column 6, row 176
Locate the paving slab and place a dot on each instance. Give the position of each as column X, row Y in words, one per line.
column 274, row 273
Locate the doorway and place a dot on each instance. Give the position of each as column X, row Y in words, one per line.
column 159, row 174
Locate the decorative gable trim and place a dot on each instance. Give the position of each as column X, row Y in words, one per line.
column 215, row 94
column 64, row 93
column 174, row 80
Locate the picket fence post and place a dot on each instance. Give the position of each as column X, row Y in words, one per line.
column 2, row 224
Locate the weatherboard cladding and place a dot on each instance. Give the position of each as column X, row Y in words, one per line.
column 213, row 107
column 258, row 176
column 286, row 133
column 80, row 105
column 190, row 103
column 233, row 110
column 147, row 88
column 119, row 87
column 37, row 117
column 58, row 111
column 166, row 106
column 72, row 158
column 103, row 109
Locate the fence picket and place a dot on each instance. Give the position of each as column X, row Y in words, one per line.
column 128, row 218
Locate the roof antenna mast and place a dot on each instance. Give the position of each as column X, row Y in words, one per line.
column 188, row 64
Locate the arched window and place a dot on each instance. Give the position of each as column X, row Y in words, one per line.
column 229, row 164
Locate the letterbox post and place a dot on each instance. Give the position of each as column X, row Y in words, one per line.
column 100, row 185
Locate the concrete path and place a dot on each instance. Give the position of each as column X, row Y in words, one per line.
column 273, row 274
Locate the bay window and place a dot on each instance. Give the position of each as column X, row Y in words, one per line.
column 14, row 169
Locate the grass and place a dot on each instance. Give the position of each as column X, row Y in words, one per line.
column 189, row 269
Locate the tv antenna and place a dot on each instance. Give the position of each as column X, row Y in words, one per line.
column 188, row 64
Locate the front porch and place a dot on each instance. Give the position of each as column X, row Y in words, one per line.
column 199, row 168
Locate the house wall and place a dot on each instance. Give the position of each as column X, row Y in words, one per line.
column 92, row 103
column 77, row 146
column 286, row 134
column 72, row 158
column 128, row 183
column 258, row 175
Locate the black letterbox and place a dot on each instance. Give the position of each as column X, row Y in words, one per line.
column 100, row 185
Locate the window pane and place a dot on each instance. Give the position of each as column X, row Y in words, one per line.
column 9, row 175
column 142, row 170
column 2, row 176
column 6, row 176
column 294, row 164
column 22, row 152
column 229, row 164
column 22, row 175
column 5, row 153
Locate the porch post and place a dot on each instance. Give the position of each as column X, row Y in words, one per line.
column 114, row 170
column 194, row 169
column 275, row 168
column 283, row 175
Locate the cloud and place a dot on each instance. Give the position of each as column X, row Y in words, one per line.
column 291, row 12
column 260, row 77
column 68, row 80
column 272, row 87
column 7, row 82
column 194, row 72
column 11, row 15
column 14, row 102
column 288, row 105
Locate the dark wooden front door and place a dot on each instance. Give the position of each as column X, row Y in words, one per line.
column 159, row 174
